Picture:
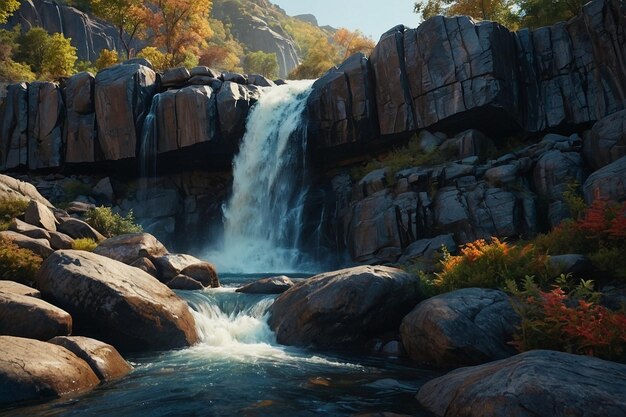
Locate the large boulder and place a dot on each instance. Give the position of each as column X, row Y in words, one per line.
column 464, row 327
column 33, row 370
column 233, row 103
column 129, row 248
column 104, row 359
column 25, row 316
column 535, row 383
column 78, row 229
column 272, row 285
column 10, row 188
column 122, row 97
column 344, row 308
column 122, row 304
column 39, row 215
column 57, row 240
column 45, row 125
column 607, row 141
column 17, row 288
column 202, row 272
column 608, row 182
column 172, row 264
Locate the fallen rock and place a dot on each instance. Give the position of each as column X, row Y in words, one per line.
column 344, row 308
column 78, row 229
column 104, row 359
column 607, row 183
column 531, row 384
column 121, row 304
column 33, row 370
column 17, row 288
column 24, row 316
column 183, row 282
column 273, row 285
column 39, row 246
column 464, row 327
column 202, row 272
column 130, row 248
column 172, row 264
column 39, row 215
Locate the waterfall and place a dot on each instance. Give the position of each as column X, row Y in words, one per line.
column 262, row 219
column 148, row 150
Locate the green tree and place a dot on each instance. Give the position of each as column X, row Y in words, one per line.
column 7, row 7
column 261, row 63
column 106, row 59
column 11, row 71
column 156, row 57
column 501, row 11
column 128, row 16
column 537, row 13
column 49, row 56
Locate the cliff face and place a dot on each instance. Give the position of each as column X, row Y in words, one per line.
column 452, row 74
column 89, row 35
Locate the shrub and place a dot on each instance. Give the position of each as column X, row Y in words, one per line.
column 85, row 244
column 111, row 224
column 106, row 59
column 489, row 264
column 570, row 322
column 17, row 264
column 74, row 188
column 11, row 208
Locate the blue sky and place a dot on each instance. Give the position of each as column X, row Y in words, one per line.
column 372, row 17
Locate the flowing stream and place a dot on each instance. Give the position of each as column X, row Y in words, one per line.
column 238, row 369
column 263, row 218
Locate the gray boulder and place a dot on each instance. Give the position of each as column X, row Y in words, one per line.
column 607, row 141
column 25, row 316
column 464, row 327
column 17, row 288
column 32, row 370
column 536, row 383
column 39, row 215
column 121, row 304
column 78, row 229
column 344, row 308
column 607, row 182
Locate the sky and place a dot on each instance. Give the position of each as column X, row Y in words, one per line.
column 372, row 17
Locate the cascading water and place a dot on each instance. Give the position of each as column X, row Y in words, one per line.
column 264, row 215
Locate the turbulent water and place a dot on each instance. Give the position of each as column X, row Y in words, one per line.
column 262, row 219
column 238, row 369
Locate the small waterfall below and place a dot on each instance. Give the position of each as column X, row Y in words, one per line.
column 148, row 144
column 263, row 218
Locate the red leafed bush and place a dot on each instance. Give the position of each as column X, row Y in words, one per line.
column 559, row 321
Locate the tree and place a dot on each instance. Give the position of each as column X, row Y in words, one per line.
column 501, row 11
column 321, row 57
column 11, row 71
column 156, row 57
column 350, row 43
column 179, row 27
column 128, row 16
column 223, row 50
column 7, row 7
column 106, row 59
column 261, row 63
column 49, row 56
column 537, row 13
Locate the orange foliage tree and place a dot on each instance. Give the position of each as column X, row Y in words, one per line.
column 179, row 27
column 128, row 16
column 352, row 42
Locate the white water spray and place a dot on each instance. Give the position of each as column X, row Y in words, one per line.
column 263, row 218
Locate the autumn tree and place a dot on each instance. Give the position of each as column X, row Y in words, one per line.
column 128, row 16
column 179, row 27
column 501, row 11
column 223, row 51
column 261, row 63
column 350, row 43
column 49, row 56
column 106, row 59
column 321, row 57
column 7, row 7
column 156, row 57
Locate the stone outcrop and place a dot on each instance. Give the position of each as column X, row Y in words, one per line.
column 45, row 125
column 25, row 316
column 272, row 285
column 344, row 308
column 122, row 100
column 120, row 304
column 32, row 370
column 11, row 188
column 80, row 122
column 464, row 327
column 104, row 359
column 606, row 142
column 233, row 103
column 14, row 127
column 535, row 383
column 17, row 288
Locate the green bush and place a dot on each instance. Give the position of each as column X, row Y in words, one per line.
column 111, row 224
column 11, row 208
column 17, row 264
column 85, row 244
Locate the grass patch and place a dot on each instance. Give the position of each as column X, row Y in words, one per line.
column 11, row 208
column 85, row 244
column 17, row 264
